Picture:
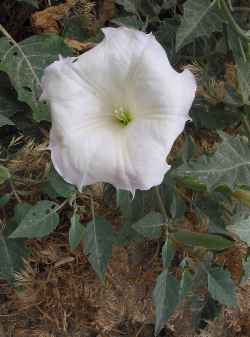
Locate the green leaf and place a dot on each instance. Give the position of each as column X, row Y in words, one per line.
column 4, row 174
column 59, row 185
column 31, row 2
column 40, row 221
column 12, row 253
column 98, row 240
column 218, row 116
column 5, row 199
column 126, row 234
column 166, row 34
column 229, row 165
column 25, row 72
column 201, row 18
column 221, row 287
column 165, row 298
column 173, row 202
column 242, row 229
column 5, row 121
column 76, row 27
column 20, row 211
column 210, row 209
column 246, row 267
column 243, row 73
column 185, row 284
column 128, row 5
column 124, row 202
column 208, row 241
column 128, row 21
column 9, row 105
column 76, row 232
column 150, row 225
column 134, row 209
column 167, row 253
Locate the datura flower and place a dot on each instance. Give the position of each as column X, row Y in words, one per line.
column 116, row 111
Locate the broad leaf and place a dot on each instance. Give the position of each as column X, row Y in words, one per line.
column 128, row 21
column 5, row 199
column 243, row 72
column 5, row 121
column 128, row 5
column 126, row 234
column 166, row 34
column 238, row 47
column 208, row 241
column 150, row 225
column 201, row 18
column 165, row 298
column 218, row 116
column 246, row 267
column 229, row 165
column 173, row 202
column 12, row 253
column 21, row 210
column 167, row 253
column 185, row 284
column 221, row 287
column 76, row 231
column 30, row 2
column 242, row 229
column 25, row 71
column 4, row 173
column 40, row 221
column 98, row 240
column 9, row 105
column 210, row 208
column 59, row 186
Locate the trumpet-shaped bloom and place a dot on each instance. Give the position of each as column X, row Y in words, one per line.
column 116, row 111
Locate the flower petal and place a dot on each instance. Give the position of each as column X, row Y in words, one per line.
column 127, row 70
column 107, row 66
column 60, row 159
column 148, row 144
column 97, row 154
column 132, row 159
column 156, row 89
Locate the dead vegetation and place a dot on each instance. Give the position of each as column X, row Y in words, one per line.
column 58, row 293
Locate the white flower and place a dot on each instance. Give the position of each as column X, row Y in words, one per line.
column 116, row 111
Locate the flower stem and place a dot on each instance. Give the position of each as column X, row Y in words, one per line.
column 241, row 32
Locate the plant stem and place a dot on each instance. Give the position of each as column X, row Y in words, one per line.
column 161, row 204
column 10, row 38
column 241, row 32
column 15, row 192
column 92, row 206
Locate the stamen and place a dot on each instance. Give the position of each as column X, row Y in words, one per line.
column 123, row 116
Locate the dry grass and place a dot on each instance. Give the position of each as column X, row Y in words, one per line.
column 58, row 292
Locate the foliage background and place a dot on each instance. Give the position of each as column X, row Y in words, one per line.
column 178, row 254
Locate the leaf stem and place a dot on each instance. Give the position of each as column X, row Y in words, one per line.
column 10, row 38
column 15, row 192
column 92, row 206
column 241, row 32
column 161, row 204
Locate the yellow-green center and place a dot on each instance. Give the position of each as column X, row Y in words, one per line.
column 122, row 116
